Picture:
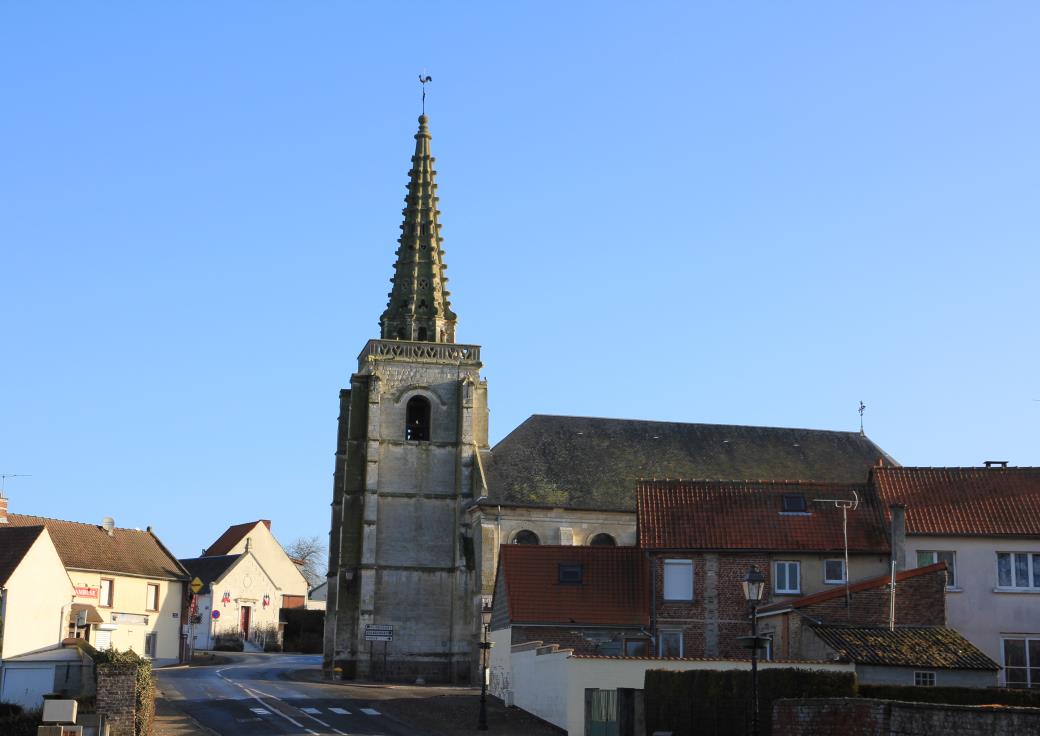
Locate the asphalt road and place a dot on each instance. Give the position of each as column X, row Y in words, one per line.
column 251, row 695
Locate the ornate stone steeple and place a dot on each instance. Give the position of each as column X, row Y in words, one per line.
column 419, row 308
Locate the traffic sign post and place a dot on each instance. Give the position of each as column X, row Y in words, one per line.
column 379, row 632
column 196, row 585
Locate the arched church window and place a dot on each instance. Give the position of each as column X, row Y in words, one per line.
column 417, row 419
column 603, row 540
column 422, row 334
column 526, row 536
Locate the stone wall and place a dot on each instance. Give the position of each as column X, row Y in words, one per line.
column 862, row 717
column 117, row 697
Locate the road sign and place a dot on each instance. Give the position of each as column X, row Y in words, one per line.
column 196, row 585
column 379, row 632
column 215, row 615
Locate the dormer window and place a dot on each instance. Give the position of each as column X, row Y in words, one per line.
column 417, row 419
column 793, row 503
column 570, row 574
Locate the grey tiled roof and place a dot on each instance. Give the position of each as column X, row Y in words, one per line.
column 935, row 647
column 588, row 463
column 209, row 569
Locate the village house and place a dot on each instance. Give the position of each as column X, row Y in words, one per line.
column 702, row 537
column 128, row 590
column 239, row 598
column 256, row 538
column 907, row 643
column 984, row 523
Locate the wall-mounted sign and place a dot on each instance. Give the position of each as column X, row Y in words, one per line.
column 129, row 618
column 85, row 591
column 379, row 632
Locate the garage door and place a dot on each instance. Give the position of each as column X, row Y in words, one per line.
column 26, row 686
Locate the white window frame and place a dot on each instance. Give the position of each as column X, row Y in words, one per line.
column 661, row 633
column 951, row 567
column 677, row 565
column 1029, row 666
column 920, row 675
column 844, row 572
column 110, row 600
column 776, row 577
column 152, row 602
column 1032, row 561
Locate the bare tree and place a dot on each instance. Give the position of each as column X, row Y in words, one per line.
column 312, row 554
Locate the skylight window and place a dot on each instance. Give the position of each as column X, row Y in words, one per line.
column 794, row 503
column 570, row 574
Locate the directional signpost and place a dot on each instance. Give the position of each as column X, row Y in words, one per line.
column 379, row 632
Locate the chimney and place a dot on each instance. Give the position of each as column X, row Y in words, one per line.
column 109, row 525
column 249, row 544
column 3, row 509
column 996, row 463
column 898, row 535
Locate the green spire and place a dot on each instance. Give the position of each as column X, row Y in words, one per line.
column 419, row 308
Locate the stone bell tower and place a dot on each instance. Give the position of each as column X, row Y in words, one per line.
column 411, row 427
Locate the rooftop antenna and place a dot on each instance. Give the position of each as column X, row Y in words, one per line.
column 846, row 505
column 424, row 79
column 862, row 408
column 5, row 476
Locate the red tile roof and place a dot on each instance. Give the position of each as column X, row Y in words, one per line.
column 994, row 502
column 89, row 547
column 615, row 587
column 839, row 591
column 233, row 536
column 746, row 515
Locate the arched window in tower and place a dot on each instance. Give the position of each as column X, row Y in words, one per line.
column 422, row 334
column 417, row 419
column 526, row 536
column 603, row 540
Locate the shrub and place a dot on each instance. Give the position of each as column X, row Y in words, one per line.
column 15, row 722
column 228, row 643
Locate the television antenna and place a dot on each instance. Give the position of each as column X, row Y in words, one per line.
column 846, row 505
column 5, row 476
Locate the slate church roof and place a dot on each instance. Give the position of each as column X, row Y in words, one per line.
column 209, row 569
column 589, row 463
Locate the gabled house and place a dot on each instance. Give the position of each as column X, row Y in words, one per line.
column 900, row 642
column 238, row 598
column 701, row 538
column 256, row 537
column 984, row 523
column 128, row 590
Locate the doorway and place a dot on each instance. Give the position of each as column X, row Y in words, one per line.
column 244, row 623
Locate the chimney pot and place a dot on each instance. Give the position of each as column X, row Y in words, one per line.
column 3, row 509
column 109, row 525
column 996, row 463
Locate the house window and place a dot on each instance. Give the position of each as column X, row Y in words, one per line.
column 1021, row 662
column 669, row 643
column 526, row 536
column 678, row 580
column 924, row 679
column 793, row 503
column 417, row 419
column 930, row 557
column 602, row 540
column 1020, row 570
column 570, row 574
column 834, row 571
column 788, row 577
column 152, row 597
column 106, row 592
column 636, row 648
column 151, row 642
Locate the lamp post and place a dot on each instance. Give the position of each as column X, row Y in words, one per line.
column 754, row 584
column 485, row 645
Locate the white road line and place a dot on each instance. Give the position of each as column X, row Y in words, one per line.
column 261, row 711
column 220, row 674
column 311, row 711
column 340, row 711
column 370, row 711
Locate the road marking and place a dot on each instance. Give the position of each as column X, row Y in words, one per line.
column 311, row 711
column 340, row 711
column 370, row 711
column 261, row 711
column 252, row 694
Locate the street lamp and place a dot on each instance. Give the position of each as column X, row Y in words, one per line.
column 754, row 584
column 485, row 645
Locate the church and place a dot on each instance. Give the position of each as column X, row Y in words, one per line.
column 421, row 502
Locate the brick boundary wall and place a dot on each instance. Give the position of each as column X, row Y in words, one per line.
column 865, row 717
column 117, row 697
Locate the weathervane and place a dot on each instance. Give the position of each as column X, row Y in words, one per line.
column 424, row 79
column 862, row 408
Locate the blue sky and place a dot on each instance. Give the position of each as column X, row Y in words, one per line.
column 753, row 214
